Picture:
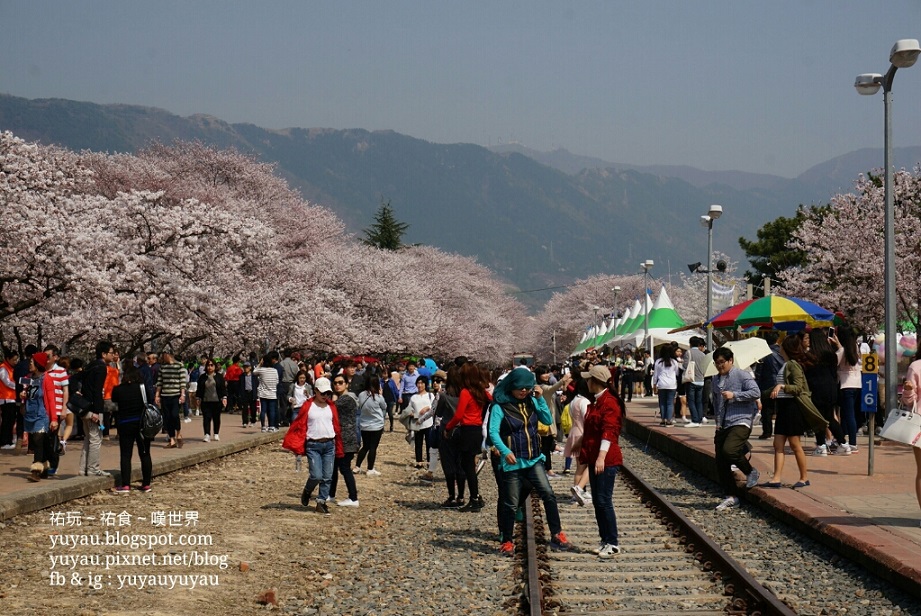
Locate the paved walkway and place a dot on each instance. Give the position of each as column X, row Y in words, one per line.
column 18, row 495
column 871, row 519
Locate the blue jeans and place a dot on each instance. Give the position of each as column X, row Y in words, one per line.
column 269, row 407
column 603, row 502
column 514, row 487
column 667, row 404
column 322, row 460
column 850, row 404
column 696, row 402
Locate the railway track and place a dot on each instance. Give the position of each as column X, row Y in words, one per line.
column 667, row 564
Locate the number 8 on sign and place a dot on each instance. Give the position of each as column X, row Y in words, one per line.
column 870, row 363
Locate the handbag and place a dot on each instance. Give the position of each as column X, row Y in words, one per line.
column 151, row 418
column 903, row 426
column 78, row 404
column 689, row 372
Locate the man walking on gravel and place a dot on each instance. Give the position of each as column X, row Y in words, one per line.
column 735, row 401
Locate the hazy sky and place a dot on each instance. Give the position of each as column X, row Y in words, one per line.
column 715, row 84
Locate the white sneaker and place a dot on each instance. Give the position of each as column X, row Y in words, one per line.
column 692, row 424
column 607, row 550
column 187, row 420
column 265, row 428
column 357, row 470
column 13, row 446
column 822, row 450
column 217, row 437
column 373, row 472
column 577, row 495
column 348, row 503
column 843, row 450
column 730, row 503
column 704, row 421
column 207, row 439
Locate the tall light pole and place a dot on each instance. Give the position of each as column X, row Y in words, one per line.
column 615, row 291
column 714, row 212
column 646, row 265
column 903, row 55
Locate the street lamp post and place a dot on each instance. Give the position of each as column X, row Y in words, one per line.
column 615, row 291
column 714, row 212
column 903, row 55
column 646, row 265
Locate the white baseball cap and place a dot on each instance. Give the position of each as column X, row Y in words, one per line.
column 322, row 385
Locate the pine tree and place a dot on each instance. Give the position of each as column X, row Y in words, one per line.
column 386, row 232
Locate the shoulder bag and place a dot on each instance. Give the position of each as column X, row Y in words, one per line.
column 151, row 418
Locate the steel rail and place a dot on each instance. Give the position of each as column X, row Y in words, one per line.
column 750, row 597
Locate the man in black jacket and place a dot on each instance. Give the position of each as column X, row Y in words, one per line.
column 766, row 372
column 94, row 377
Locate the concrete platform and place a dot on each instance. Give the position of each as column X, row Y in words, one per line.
column 873, row 520
column 18, row 495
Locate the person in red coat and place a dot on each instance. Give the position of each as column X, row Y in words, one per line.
column 316, row 434
column 601, row 453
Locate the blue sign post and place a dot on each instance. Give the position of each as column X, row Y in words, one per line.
column 869, row 392
column 869, row 397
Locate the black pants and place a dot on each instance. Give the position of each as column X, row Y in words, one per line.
column 828, row 412
column 730, row 449
column 469, row 443
column 420, row 436
column 248, row 407
column 455, row 477
column 768, row 405
column 626, row 391
column 129, row 435
column 369, row 442
column 51, row 449
column 343, row 465
column 211, row 411
column 9, row 417
column 37, row 442
column 547, row 446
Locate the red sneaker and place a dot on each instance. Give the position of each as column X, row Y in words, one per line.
column 560, row 542
column 507, row 549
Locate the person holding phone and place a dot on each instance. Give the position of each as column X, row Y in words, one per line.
column 41, row 415
column 518, row 405
column 910, row 392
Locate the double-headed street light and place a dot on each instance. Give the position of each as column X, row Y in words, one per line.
column 903, row 55
column 646, row 265
column 714, row 212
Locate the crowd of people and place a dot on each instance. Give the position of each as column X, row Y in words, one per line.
column 459, row 418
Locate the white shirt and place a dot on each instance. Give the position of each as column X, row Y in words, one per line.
column 320, row 422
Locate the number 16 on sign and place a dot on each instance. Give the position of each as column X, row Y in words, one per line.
column 869, row 390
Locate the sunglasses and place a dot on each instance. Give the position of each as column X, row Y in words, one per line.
column 338, row 382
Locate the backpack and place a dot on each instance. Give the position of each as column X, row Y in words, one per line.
column 151, row 418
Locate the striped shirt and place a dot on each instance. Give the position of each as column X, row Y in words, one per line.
column 268, row 382
column 171, row 381
column 61, row 380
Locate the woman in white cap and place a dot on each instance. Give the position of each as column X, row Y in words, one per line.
column 316, row 434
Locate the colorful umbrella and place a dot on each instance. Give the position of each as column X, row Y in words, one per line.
column 788, row 313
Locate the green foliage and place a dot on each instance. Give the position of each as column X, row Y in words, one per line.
column 771, row 253
column 386, row 232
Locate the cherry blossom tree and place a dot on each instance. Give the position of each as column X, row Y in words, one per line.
column 844, row 247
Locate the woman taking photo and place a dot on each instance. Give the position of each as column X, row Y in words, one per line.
column 316, row 434
column 212, row 395
column 298, row 393
column 850, row 383
column 372, row 408
column 822, row 377
column 518, row 405
column 130, row 403
column 601, row 453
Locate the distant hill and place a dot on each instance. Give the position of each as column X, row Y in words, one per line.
column 537, row 220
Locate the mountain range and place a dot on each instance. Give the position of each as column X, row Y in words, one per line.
column 539, row 219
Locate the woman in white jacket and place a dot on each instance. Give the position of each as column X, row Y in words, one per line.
column 419, row 405
column 665, row 383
